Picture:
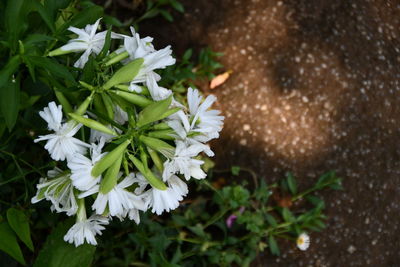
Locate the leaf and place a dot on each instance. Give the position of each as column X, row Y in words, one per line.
column 9, row 102
column 84, row 17
column 271, row 220
column 9, row 244
column 291, row 182
column 58, row 253
column 273, row 246
column 177, row 6
column 46, row 16
column 9, row 69
column 20, row 224
column 166, row 15
column 287, row 215
column 106, row 46
column 53, row 67
column 153, row 112
column 219, row 79
column 187, row 55
column 235, row 170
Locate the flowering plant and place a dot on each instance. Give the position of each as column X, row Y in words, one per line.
column 128, row 144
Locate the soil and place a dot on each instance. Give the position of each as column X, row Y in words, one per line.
column 315, row 87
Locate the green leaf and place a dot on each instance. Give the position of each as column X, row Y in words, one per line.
column 187, row 55
column 177, row 5
column 84, row 17
column 125, row 74
column 46, row 16
column 287, row 215
column 167, row 15
column 291, row 182
column 153, row 112
column 9, row 69
column 20, row 224
column 273, row 246
column 271, row 220
column 235, row 170
column 9, row 244
column 58, row 253
column 9, row 102
column 53, row 67
column 106, row 46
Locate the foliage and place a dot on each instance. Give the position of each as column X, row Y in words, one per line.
column 194, row 235
column 199, row 233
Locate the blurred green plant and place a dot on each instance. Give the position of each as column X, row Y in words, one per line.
column 220, row 226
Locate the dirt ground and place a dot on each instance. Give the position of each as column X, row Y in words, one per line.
column 315, row 87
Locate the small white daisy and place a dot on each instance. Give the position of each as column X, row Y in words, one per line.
column 86, row 229
column 61, row 144
column 303, row 241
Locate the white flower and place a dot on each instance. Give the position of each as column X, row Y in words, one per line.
column 184, row 163
column 162, row 200
column 118, row 199
column 120, row 116
column 155, row 60
column 81, row 168
column 59, row 190
column 204, row 121
column 179, row 122
column 88, row 41
column 303, row 241
column 137, row 47
column 86, row 230
column 60, row 144
column 157, row 93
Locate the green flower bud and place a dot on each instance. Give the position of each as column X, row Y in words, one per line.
column 133, row 98
column 148, row 174
column 125, row 74
column 58, row 52
column 92, row 124
column 109, row 159
column 163, row 134
column 63, row 101
column 111, row 177
column 117, row 58
column 85, row 104
column 164, row 148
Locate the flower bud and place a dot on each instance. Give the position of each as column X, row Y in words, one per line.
column 117, row 58
column 125, row 74
column 109, row 159
column 148, row 174
column 134, row 98
column 95, row 125
column 110, row 178
column 158, row 145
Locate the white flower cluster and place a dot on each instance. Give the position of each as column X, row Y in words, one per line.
column 121, row 175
